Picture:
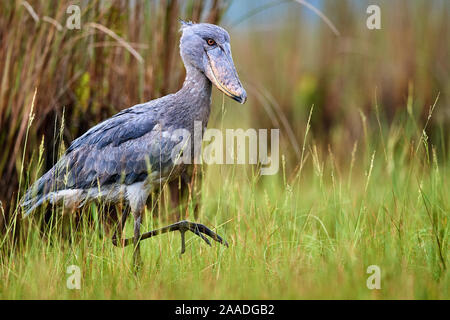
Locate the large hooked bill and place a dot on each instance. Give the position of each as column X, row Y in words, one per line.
column 223, row 74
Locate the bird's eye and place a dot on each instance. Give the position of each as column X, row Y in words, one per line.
column 211, row 42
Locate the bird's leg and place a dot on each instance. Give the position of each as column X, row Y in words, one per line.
column 137, row 240
column 125, row 242
column 119, row 229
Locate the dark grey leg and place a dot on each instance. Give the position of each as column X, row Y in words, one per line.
column 119, row 229
column 137, row 240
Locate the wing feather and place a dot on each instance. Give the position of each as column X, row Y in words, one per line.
column 122, row 149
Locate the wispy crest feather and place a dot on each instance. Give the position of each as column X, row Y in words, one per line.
column 185, row 24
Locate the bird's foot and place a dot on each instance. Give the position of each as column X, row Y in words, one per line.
column 182, row 226
column 198, row 229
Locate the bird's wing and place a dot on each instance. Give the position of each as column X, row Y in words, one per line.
column 126, row 163
column 122, row 149
column 128, row 124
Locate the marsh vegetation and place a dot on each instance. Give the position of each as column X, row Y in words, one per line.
column 364, row 140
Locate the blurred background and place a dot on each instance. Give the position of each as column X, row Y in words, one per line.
column 361, row 82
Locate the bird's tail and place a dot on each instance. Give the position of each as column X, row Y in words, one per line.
column 31, row 201
column 35, row 196
column 28, row 206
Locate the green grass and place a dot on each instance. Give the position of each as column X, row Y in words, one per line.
column 301, row 234
column 308, row 235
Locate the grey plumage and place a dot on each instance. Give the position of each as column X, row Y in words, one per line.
column 128, row 155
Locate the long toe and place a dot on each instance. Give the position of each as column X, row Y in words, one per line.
column 198, row 229
column 201, row 236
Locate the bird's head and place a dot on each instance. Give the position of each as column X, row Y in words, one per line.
column 206, row 47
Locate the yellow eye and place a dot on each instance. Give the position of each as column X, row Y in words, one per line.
column 211, row 42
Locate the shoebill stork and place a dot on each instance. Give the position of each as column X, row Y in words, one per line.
column 128, row 156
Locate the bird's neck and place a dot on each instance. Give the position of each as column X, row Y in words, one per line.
column 196, row 87
column 196, row 95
